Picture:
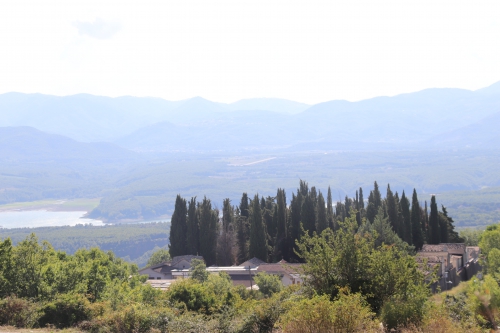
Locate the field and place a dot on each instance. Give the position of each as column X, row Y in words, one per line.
column 53, row 205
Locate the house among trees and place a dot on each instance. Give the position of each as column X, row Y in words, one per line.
column 162, row 275
column 456, row 261
column 164, row 270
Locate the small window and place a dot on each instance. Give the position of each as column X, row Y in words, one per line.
column 158, row 278
column 151, row 277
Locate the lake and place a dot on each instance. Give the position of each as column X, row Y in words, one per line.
column 43, row 218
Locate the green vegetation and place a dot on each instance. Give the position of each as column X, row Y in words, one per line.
column 139, row 189
column 128, row 241
column 159, row 256
column 267, row 229
column 351, row 285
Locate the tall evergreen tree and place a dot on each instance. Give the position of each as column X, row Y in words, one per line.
column 281, row 247
column 303, row 188
column 269, row 220
column 416, row 222
column 227, row 214
column 208, row 232
column 347, row 206
column 377, row 197
column 308, row 215
column 178, row 228
column 295, row 232
column 340, row 212
column 392, row 211
column 258, row 243
column 329, row 209
column 242, row 235
column 322, row 215
column 361, row 199
column 225, row 241
column 404, row 203
column 193, row 229
column 443, row 228
column 425, row 224
column 371, row 212
column 435, row 232
column 244, row 205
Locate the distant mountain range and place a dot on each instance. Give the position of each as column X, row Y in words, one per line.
column 428, row 119
column 25, row 144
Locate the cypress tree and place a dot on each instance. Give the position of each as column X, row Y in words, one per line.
column 340, row 211
column 435, row 232
column 443, row 228
column 416, row 222
column 295, row 232
column 227, row 214
column 225, row 242
column 322, row 215
column 270, row 221
column 208, row 232
column 242, row 236
column 377, row 197
column 308, row 215
column 281, row 248
column 193, row 229
column 178, row 228
column 425, row 224
column 303, row 188
column 392, row 211
column 406, row 219
column 347, row 206
column 244, row 205
column 371, row 212
column 258, row 243
column 361, row 199
column 329, row 208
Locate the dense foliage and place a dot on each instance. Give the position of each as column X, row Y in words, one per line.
column 268, row 227
column 131, row 242
column 354, row 281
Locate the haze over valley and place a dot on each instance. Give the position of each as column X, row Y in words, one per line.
column 136, row 154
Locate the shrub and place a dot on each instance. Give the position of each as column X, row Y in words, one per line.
column 192, row 296
column 66, row 311
column 18, row 312
column 483, row 298
column 405, row 310
column 268, row 284
column 131, row 319
column 348, row 313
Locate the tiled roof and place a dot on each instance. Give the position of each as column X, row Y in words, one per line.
column 254, row 261
column 176, row 260
column 434, row 248
column 279, row 268
column 454, row 246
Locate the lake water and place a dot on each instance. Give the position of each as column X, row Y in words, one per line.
column 42, row 218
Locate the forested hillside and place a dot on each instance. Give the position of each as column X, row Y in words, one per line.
column 269, row 227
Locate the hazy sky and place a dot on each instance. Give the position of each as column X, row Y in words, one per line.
column 308, row 51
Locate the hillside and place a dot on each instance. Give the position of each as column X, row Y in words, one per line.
column 400, row 122
column 483, row 134
column 27, row 143
column 153, row 124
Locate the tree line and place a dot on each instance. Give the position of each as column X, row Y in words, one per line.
column 268, row 227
